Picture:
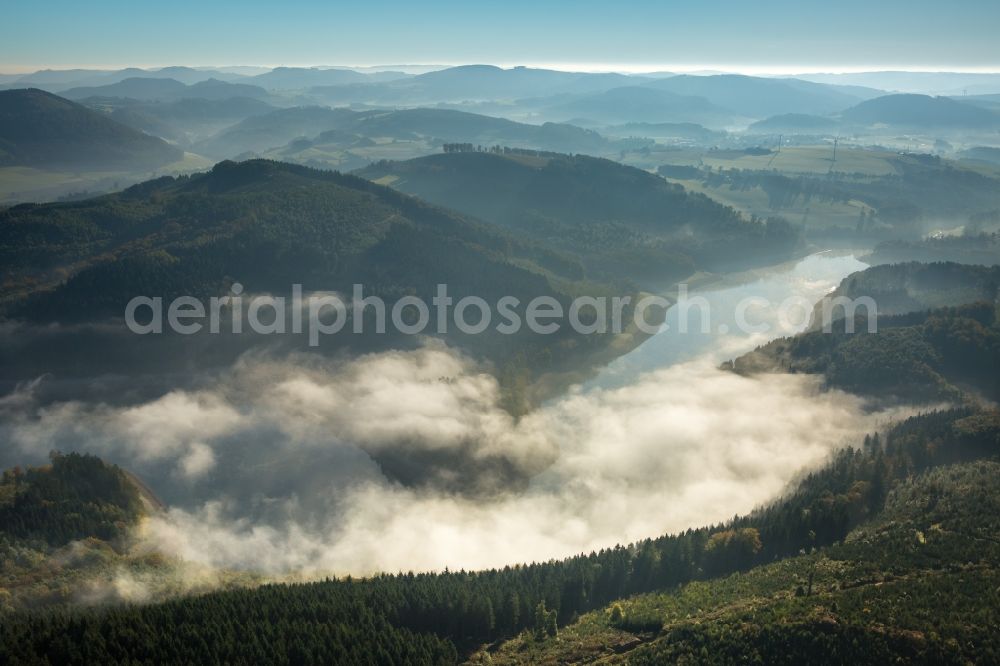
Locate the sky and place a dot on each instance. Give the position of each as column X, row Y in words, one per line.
column 628, row 35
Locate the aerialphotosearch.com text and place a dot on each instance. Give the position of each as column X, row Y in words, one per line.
column 319, row 314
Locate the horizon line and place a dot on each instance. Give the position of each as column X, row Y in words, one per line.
column 580, row 67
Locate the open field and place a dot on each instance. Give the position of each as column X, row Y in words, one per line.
column 755, row 201
column 20, row 184
column 806, row 159
column 812, row 160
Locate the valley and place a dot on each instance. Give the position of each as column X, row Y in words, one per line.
column 433, row 334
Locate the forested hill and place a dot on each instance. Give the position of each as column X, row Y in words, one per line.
column 969, row 248
column 616, row 218
column 912, row 286
column 279, row 127
column 866, row 511
column 40, row 129
column 921, row 351
column 267, row 225
column 920, row 111
column 74, row 497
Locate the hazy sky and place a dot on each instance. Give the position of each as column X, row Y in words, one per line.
column 627, row 34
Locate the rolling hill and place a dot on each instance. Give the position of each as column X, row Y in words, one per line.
column 297, row 78
column 922, row 351
column 970, row 248
column 274, row 129
column 319, row 228
column 489, row 82
column 927, row 83
column 135, row 88
column 616, row 219
column 692, row 132
column 467, row 83
column 267, row 225
column 920, row 111
column 55, row 80
column 637, row 104
column 433, row 125
column 757, row 97
column 900, row 288
column 981, row 154
column 165, row 89
column 795, row 123
column 42, row 130
column 74, row 497
column 183, row 121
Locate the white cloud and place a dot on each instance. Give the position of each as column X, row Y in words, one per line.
column 680, row 447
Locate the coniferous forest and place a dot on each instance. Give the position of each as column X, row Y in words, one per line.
column 487, row 333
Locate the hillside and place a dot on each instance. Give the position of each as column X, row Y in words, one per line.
column 473, row 82
column 686, row 131
column 617, row 220
column 916, row 355
column 528, row 88
column 641, row 105
column 917, row 584
column 458, row 126
column 793, row 123
column 969, row 248
column 866, row 196
column 184, row 121
column 409, row 133
column 164, row 89
column 74, row 497
column 268, row 226
column 136, row 88
column 758, row 97
column 312, row 218
column 485, row 81
column 273, row 129
column 913, row 286
column 981, row 154
column 432, row 126
column 71, row 535
column 920, row 111
column 286, row 78
column 56, row 80
column 39, row 129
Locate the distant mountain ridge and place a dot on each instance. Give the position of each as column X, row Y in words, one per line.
column 166, row 89
column 52, row 80
column 279, row 127
column 296, row 78
column 760, row 97
column 641, row 104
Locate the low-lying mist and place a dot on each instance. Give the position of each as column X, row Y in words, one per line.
column 279, row 464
